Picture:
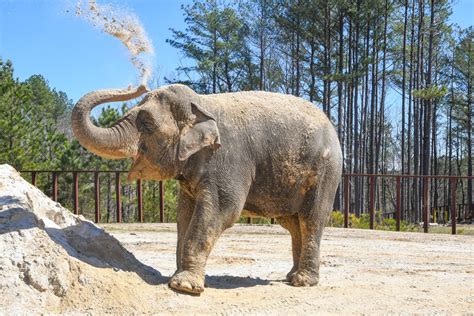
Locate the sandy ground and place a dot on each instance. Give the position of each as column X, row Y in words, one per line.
column 54, row 262
column 362, row 272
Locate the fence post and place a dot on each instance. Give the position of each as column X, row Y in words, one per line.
column 346, row 201
column 55, row 186
column 272, row 221
column 140, row 200
column 426, row 216
column 76, row 192
column 398, row 210
column 249, row 220
column 118, row 197
column 162, row 202
column 97, row 196
column 453, row 205
column 33, row 178
column 372, row 201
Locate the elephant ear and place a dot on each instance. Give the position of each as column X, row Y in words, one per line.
column 202, row 132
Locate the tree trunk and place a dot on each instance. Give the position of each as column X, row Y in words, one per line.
column 405, row 23
column 428, row 107
column 469, row 134
column 357, row 191
column 410, row 202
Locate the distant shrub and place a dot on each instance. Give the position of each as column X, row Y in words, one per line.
column 336, row 219
column 363, row 222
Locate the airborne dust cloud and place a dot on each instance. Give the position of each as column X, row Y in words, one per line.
column 125, row 26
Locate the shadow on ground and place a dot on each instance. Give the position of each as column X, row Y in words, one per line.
column 233, row 282
column 96, row 247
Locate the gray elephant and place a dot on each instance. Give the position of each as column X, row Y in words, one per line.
column 253, row 153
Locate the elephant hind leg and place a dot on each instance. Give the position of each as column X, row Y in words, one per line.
column 312, row 219
column 291, row 223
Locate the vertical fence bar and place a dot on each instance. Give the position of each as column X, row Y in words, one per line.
column 140, row 200
column 272, row 221
column 97, row 196
column 453, row 205
column 75, row 181
column 118, row 197
column 33, row 178
column 346, row 201
column 249, row 220
column 55, row 186
column 426, row 216
column 372, row 201
column 399, row 203
column 162, row 202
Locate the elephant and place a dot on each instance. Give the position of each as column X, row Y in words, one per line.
column 250, row 153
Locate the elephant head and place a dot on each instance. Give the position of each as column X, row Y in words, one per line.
column 168, row 126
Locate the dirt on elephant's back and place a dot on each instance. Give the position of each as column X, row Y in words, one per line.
column 362, row 271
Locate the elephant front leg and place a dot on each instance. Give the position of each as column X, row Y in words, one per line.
column 206, row 225
column 185, row 212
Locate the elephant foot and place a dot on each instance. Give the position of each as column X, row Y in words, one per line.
column 187, row 282
column 290, row 274
column 304, row 278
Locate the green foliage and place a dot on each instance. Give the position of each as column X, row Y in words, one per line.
column 336, row 219
column 256, row 221
column 31, row 112
column 432, row 92
column 35, row 134
column 171, row 193
column 463, row 77
column 214, row 39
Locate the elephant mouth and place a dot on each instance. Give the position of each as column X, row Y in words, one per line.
column 143, row 169
column 137, row 170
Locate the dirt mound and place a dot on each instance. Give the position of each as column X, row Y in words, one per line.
column 53, row 261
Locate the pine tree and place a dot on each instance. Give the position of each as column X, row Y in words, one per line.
column 215, row 41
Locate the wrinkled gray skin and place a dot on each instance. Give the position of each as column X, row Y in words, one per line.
column 252, row 153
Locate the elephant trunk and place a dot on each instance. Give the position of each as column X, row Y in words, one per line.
column 117, row 142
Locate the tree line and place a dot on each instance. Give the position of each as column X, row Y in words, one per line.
column 35, row 134
column 394, row 76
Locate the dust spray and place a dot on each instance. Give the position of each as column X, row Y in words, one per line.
column 125, row 26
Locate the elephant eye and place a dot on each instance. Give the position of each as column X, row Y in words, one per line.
column 146, row 127
column 145, row 122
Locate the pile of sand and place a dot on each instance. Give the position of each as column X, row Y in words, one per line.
column 54, row 261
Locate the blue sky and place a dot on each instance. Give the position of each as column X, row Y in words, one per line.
column 40, row 37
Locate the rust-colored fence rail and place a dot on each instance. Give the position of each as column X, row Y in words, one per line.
column 97, row 198
column 401, row 181
column 369, row 189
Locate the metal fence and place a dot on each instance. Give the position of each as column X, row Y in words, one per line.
column 424, row 189
column 97, row 209
column 369, row 189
